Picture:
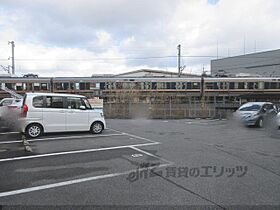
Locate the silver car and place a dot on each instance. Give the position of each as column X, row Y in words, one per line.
column 256, row 113
column 278, row 120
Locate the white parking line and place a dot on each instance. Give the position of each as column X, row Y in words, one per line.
column 132, row 135
column 62, row 137
column 150, row 154
column 75, row 152
column 75, row 181
column 8, row 133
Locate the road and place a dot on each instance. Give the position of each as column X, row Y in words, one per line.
column 214, row 164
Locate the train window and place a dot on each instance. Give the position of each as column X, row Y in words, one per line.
column 107, row 86
column 142, row 85
column 161, row 85
column 184, row 85
column 92, row 86
column 77, row 86
column 36, row 86
column 189, row 85
column 102, row 85
column 179, row 85
column 65, row 86
column 8, row 85
column 209, row 85
column 137, row 85
column 82, row 86
column 241, row 85
column 172, row 85
column 44, row 86
column 128, row 85
column 72, row 86
column 223, row 85
column 216, row 85
column 147, row 85
column 266, row 85
column 273, row 85
column 58, row 86
column 253, row 85
column 154, row 85
column 118, row 85
column 231, row 85
column 195, row 85
column 168, row 85
column 87, row 85
column 19, row 86
column 250, row 85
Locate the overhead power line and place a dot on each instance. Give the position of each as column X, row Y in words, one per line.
column 137, row 58
column 115, row 58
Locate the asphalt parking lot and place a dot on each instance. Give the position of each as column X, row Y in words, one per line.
column 190, row 163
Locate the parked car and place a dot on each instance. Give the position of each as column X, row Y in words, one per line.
column 8, row 103
column 51, row 112
column 30, row 76
column 278, row 120
column 256, row 113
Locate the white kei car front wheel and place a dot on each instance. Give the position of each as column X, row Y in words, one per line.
column 96, row 127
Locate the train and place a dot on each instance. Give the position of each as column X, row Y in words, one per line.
column 87, row 84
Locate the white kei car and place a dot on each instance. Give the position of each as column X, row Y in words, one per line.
column 53, row 112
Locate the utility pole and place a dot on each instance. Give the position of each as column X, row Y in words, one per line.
column 179, row 60
column 13, row 56
column 244, row 45
column 180, row 68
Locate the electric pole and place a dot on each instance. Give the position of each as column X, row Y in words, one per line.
column 179, row 60
column 180, row 68
column 13, row 56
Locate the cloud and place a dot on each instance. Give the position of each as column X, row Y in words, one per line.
column 92, row 30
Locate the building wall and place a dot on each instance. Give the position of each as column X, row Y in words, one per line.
column 264, row 64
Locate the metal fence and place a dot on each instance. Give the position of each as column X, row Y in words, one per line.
column 165, row 111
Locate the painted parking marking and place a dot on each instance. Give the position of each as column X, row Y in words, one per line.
column 75, row 181
column 132, row 135
column 62, row 137
column 75, row 152
column 80, row 150
column 9, row 133
column 150, row 154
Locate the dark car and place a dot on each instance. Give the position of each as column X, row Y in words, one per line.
column 256, row 113
column 30, row 76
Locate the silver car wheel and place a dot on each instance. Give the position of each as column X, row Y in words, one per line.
column 34, row 131
column 97, row 127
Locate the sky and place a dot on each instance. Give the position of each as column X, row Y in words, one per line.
column 85, row 37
